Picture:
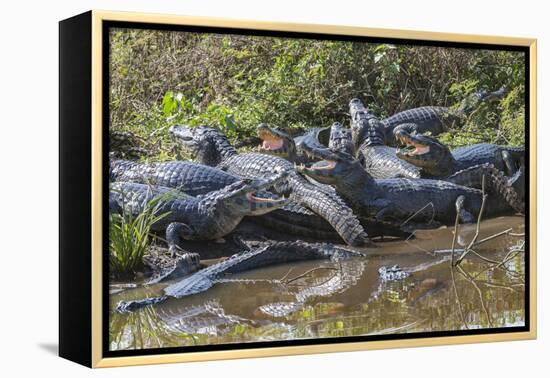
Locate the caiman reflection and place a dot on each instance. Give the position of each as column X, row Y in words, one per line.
column 317, row 299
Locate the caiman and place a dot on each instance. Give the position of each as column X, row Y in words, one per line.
column 421, row 201
column 438, row 119
column 278, row 143
column 369, row 139
column 213, row 148
column 436, row 159
column 268, row 254
column 207, row 217
column 467, row 165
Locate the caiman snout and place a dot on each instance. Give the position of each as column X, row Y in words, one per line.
column 181, row 132
column 411, row 146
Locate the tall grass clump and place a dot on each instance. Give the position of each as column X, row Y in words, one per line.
column 130, row 236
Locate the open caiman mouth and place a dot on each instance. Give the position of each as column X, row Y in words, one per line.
column 272, row 144
column 411, row 148
column 253, row 199
column 323, row 165
column 270, row 141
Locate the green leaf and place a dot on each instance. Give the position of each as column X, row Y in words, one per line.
column 169, row 104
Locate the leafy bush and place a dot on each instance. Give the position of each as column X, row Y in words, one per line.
column 235, row 82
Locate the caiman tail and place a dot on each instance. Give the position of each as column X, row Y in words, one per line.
column 495, row 182
column 325, row 202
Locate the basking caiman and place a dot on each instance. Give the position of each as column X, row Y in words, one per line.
column 402, row 200
column 269, row 254
column 208, row 217
column 369, row 138
column 436, row 159
column 277, row 142
column 437, row 119
column 213, row 148
column 198, row 179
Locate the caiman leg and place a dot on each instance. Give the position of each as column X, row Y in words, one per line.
column 175, row 232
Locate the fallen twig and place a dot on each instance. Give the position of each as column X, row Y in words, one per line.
column 478, row 226
column 308, row 272
column 418, row 212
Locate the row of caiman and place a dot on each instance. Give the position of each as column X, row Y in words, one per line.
column 329, row 184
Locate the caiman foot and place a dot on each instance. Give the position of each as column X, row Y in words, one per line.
column 175, row 232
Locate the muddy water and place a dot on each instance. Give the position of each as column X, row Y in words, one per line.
column 346, row 298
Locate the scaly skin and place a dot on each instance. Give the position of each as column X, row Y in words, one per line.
column 399, row 199
column 437, row 160
column 511, row 189
column 209, row 217
column 297, row 220
column 368, row 136
column 197, row 179
column 269, row 254
column 214, row 148
column 190, row 178
column 437, row 119
column 341, row 139
column 316, row 137
column 468, row 165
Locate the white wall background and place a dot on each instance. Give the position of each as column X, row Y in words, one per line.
column 28, row 208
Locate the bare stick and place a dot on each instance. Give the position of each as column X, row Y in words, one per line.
column 431, row 253
column 490, row 284
column 455, row 235
column 505, row 232
column 452, row 269
column 474, row 284
column 308, row 272
column 478, row 226
column 286, row 275
column 418, row 212
column 483, row 257
column 509, row 256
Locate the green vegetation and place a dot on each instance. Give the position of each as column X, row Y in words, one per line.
column 234, row 82
column 130, row 237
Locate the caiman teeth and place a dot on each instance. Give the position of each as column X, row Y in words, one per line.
column 329, row 164
column 252, row 198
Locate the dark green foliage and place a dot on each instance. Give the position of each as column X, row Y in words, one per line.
column 235, row 82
